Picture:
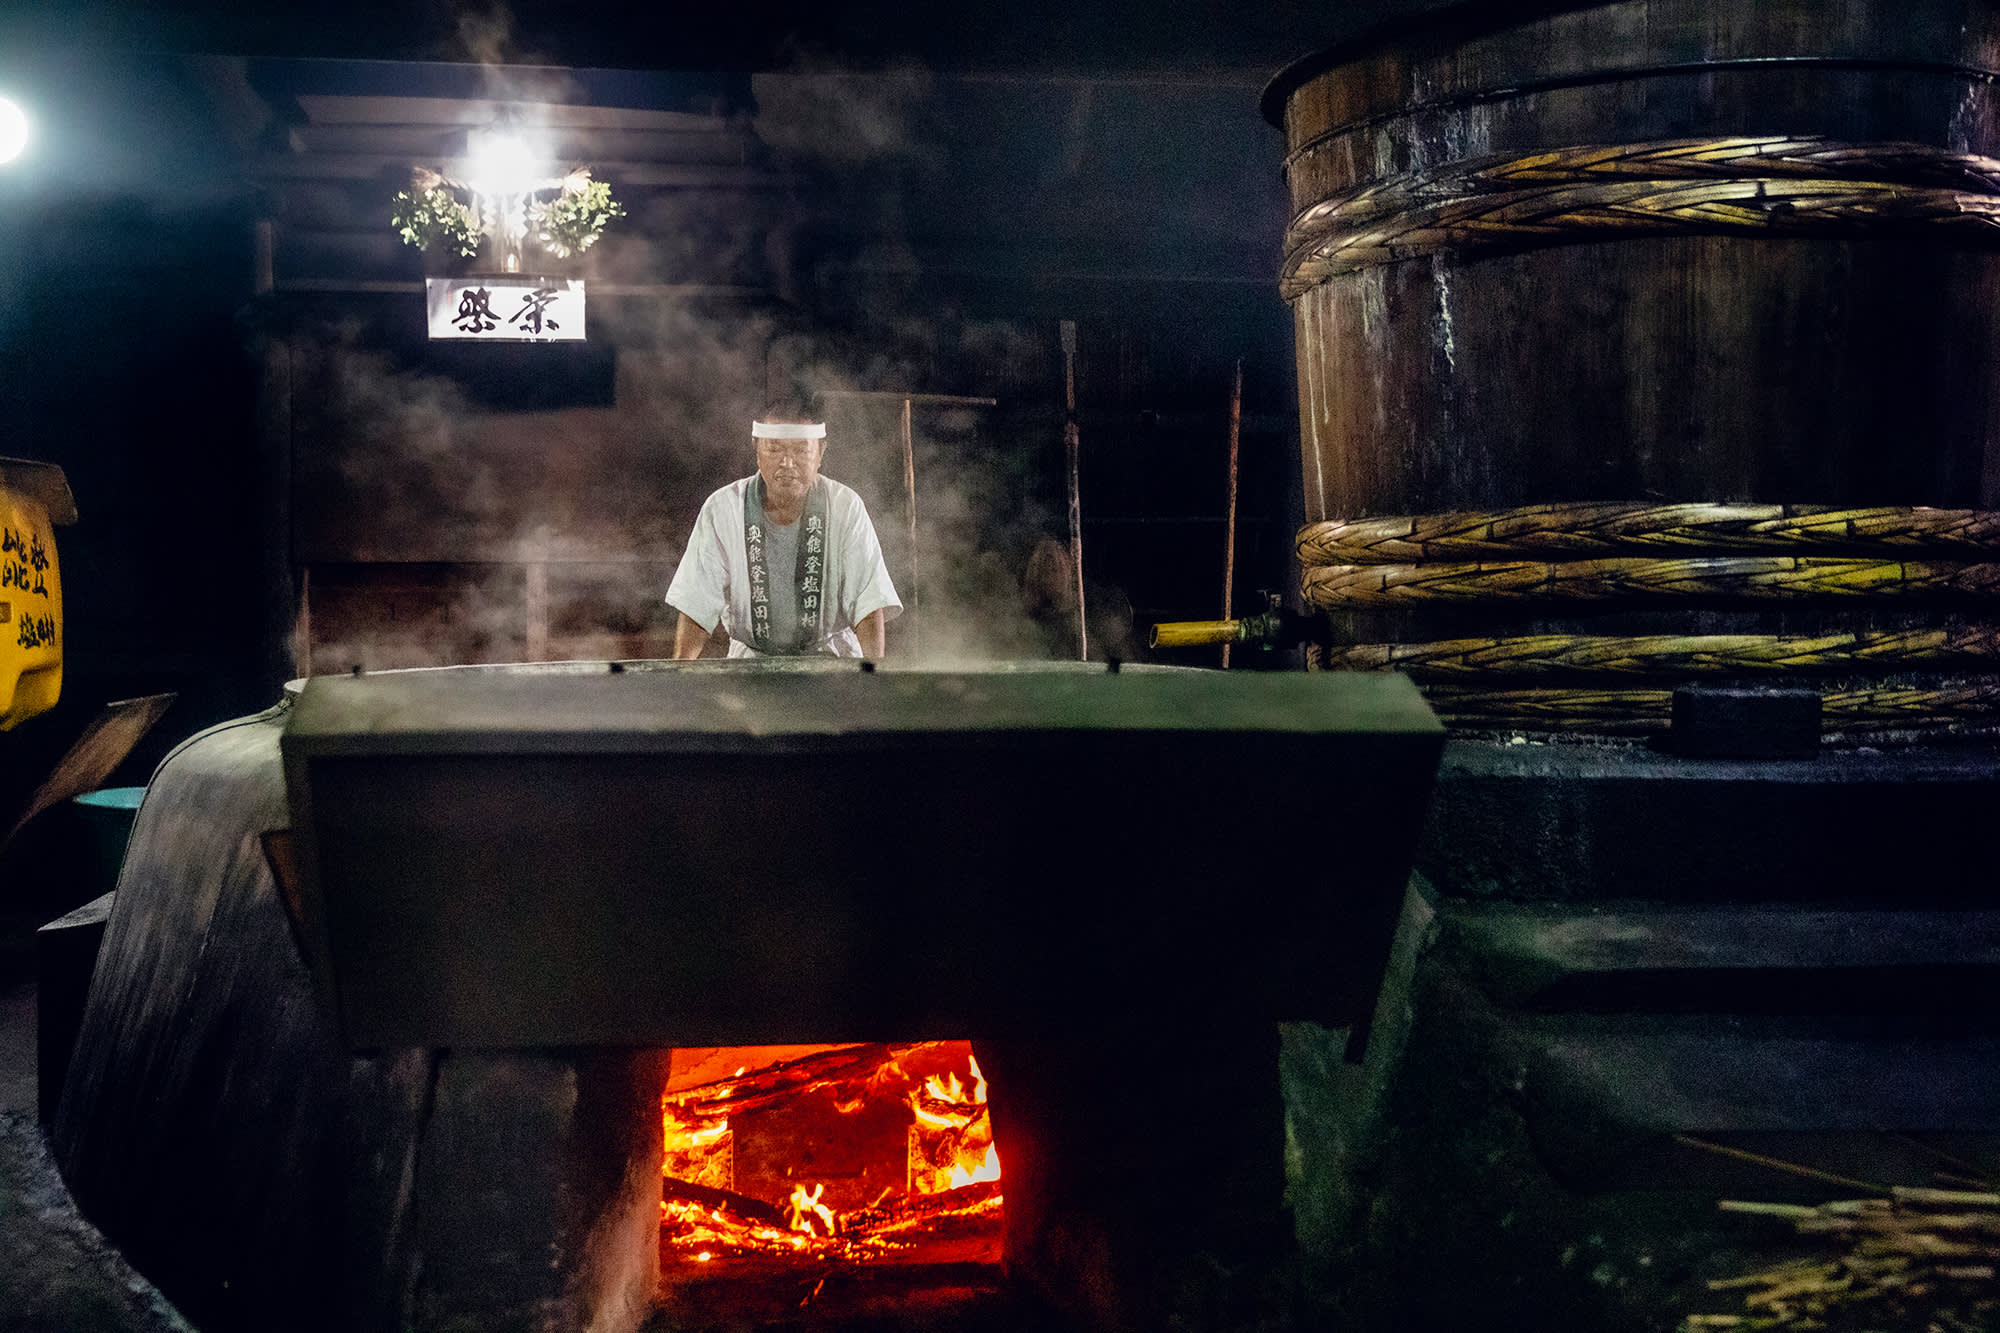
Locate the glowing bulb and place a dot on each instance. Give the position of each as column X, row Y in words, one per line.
column 502, row 162
column 13, row 131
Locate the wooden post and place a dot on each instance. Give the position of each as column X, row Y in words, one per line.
column 1229, row 520
column 1072, row 446
column 302, row 637
column 536, row 612
column 916, row 568
column 264, row 256
column 535, row 599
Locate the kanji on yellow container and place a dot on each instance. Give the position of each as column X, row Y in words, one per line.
column 34, row 497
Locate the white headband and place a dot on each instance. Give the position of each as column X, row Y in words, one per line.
column 784, row 430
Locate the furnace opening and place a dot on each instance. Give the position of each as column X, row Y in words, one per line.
column 829, row 1170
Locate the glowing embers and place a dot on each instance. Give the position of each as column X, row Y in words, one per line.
column 878, row 1153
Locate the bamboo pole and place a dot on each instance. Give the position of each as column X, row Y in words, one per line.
column 909, row 401
column 1779, row 1164
column 1073, row 448
column 1229, row 520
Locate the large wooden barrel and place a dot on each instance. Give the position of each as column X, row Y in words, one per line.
column 1649, row 253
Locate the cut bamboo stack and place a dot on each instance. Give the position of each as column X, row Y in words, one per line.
column 1917, row 1259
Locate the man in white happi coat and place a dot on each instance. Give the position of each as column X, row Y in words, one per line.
column 786, row 560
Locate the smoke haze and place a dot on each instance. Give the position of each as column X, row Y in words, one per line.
column 440, row 529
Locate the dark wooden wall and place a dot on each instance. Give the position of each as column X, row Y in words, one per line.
column 474, row 503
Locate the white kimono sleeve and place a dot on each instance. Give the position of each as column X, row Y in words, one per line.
column 700, row 590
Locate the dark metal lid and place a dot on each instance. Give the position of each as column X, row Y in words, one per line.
column 44, row 482
column 761, row 706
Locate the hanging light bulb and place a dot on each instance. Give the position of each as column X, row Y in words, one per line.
column 500, row 162
column 13, row 130
column 504, row 167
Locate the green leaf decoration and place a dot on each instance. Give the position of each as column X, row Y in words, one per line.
column 571, row 222
column 434, row 217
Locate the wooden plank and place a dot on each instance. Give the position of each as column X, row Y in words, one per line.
column 338, row 109
column 717, row 143
column 368, row 166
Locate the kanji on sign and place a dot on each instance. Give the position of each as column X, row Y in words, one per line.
column 475, row 311
column 534, row 310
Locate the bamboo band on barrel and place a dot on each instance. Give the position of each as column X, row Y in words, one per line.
column 1792, row 552
column 1756, row 185
column 1662, row 655
column 1629, row 578
column 1648, row 710
column 1558, row 530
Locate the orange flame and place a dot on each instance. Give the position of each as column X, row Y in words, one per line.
column 806, row 1209
column 987, row 1169
column 954, row 1120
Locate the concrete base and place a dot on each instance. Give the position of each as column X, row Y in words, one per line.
column 1631, row 955
column 1577, row 823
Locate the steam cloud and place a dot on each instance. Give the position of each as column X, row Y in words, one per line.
column 442, row 531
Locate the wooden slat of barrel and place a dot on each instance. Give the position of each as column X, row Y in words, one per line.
column 1850, row 366
column 1686, row 367
column 1675, row 368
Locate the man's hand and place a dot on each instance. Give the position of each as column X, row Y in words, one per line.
column 871, row 631
column 689, row 638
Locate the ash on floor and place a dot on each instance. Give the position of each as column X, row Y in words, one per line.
column 57, row 1273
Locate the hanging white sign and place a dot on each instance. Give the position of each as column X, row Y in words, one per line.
column 505, row 308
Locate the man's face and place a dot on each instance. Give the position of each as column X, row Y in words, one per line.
column 788, row 467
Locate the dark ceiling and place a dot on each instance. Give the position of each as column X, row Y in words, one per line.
column 1093, row 36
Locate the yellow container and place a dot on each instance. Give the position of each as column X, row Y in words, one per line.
column 34, row 497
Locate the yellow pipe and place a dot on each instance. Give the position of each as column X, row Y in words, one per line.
column 1195, row 633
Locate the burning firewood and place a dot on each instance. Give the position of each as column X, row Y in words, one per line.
column 919, row 1207
column 845, row 1067
column 752, row 1212
column 902, row 1129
